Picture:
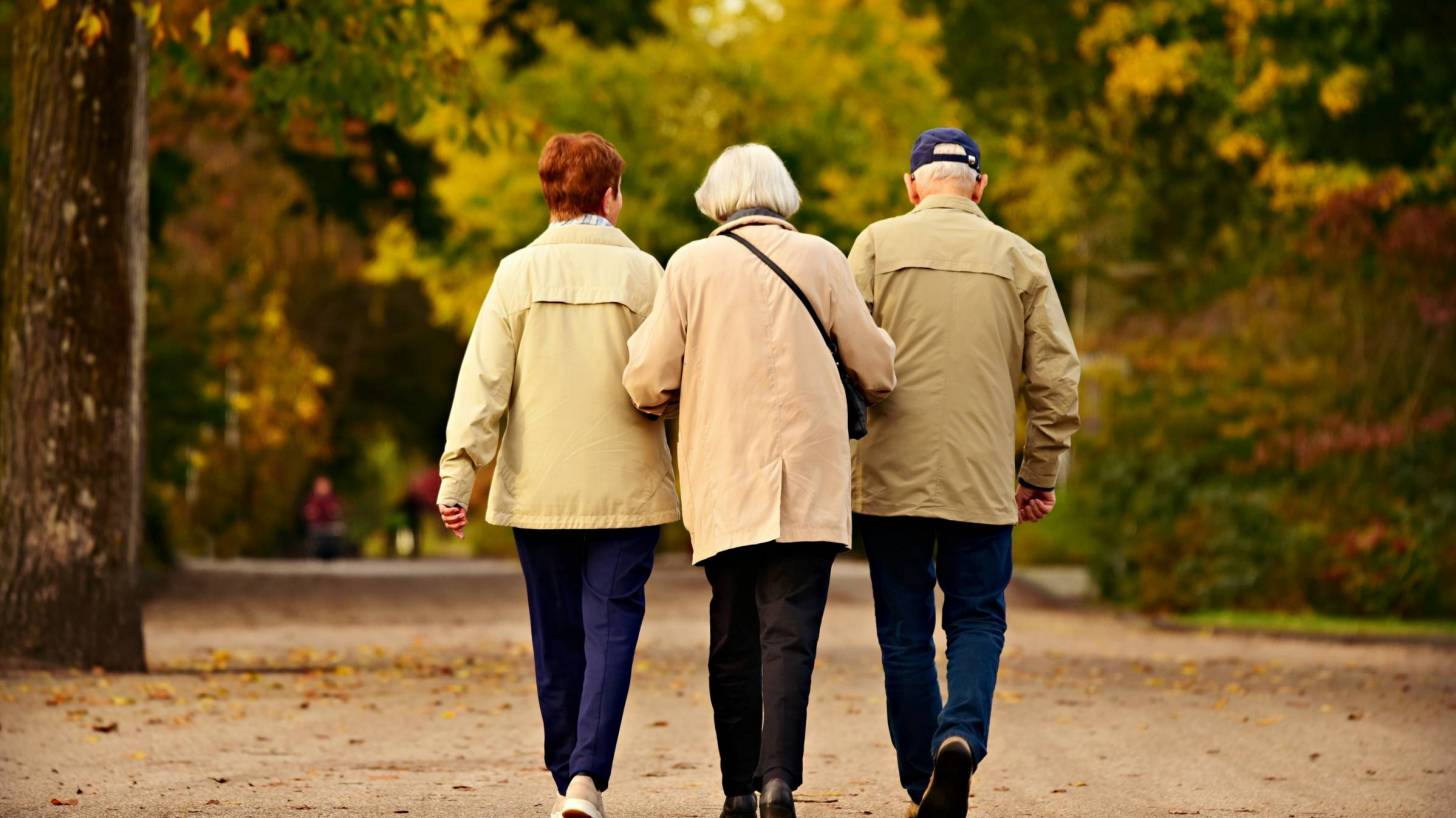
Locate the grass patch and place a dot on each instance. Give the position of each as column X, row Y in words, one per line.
column 1312, row 623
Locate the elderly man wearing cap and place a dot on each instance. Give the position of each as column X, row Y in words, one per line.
column 975, row 316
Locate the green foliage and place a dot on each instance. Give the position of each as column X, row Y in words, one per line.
column 1318, row 625
column 1258, row 199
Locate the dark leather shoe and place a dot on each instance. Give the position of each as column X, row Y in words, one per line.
column 950, row 781
column 776, row 800
column 740, row 806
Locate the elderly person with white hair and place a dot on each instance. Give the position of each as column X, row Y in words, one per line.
column 763, row 448
column 937, row 488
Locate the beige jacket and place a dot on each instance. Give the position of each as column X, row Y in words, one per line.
column 762, row 441
column 545, row 361
column 975, row 315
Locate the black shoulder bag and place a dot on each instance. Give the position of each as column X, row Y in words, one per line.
column 854, row 400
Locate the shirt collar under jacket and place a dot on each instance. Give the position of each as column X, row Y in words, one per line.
column 585, row 218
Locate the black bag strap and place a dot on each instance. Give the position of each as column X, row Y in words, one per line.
column 803, row 299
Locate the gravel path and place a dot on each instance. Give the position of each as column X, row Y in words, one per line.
column 383, row 689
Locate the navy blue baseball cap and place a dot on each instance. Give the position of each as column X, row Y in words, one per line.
column 924, row 150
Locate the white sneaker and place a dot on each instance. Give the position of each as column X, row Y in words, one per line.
column 582, row 799
column 557, row 806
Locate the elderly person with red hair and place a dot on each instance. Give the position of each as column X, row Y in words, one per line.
column 583, row 478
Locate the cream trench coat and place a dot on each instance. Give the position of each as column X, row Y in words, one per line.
column 977, row 319
column 545, row 361
column 762, row 441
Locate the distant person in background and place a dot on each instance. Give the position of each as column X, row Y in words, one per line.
column 973, row 311
column 323, row 519
column 584, row 479
column 765, row 452
column 419, row 499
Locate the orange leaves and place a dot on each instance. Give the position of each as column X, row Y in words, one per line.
column 94, row 23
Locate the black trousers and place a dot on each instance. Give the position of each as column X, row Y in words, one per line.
column 768, row 603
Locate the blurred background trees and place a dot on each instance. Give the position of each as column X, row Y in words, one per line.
column 1248, row 205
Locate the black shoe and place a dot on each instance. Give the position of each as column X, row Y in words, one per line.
column 776, row 800
column 950, row 782
column 740, row 806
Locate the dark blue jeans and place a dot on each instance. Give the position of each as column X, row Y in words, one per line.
column 586, row 591
column 972, row 562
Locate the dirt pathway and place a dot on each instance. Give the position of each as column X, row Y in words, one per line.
column 370, row 689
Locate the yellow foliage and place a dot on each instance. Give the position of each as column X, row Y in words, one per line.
column 1271, row 79
column 1239, row 144
column 91, row 26
column 308, row 408
column 1146, row 68
column 272, row 317
column 202, row 26
column 1293, row 185
column 1340, row 93
column 237, row 42
column 1240, row 16
column 809, row 78
column 1111, row 27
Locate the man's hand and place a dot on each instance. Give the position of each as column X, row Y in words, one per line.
column 454, row 518
column 1034, row 504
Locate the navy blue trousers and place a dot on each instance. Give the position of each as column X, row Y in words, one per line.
column 972, row 563
column 586, row 591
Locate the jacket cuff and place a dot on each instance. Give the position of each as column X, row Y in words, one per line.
column 1040, row 473
column 453, row 494
column 1023, row 481
column 457, row 481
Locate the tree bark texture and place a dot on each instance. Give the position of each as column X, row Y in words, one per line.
column 71, row 353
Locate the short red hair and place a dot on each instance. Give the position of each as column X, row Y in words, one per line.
column 576, row 170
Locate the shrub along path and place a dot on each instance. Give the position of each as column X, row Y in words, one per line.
column 381, row 689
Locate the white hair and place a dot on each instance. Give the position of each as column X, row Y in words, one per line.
column 949, row 171
column 745, row 176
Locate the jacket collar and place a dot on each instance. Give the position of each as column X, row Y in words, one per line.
column 949, row 201
column 755, row 219
column 584, row 234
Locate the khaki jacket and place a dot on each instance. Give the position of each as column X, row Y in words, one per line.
column 762, row 441
column 974, row 313
column 545, row 361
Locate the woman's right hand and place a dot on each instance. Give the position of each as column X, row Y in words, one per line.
column 454, row 518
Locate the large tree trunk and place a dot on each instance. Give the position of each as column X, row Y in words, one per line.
column 71, row 354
